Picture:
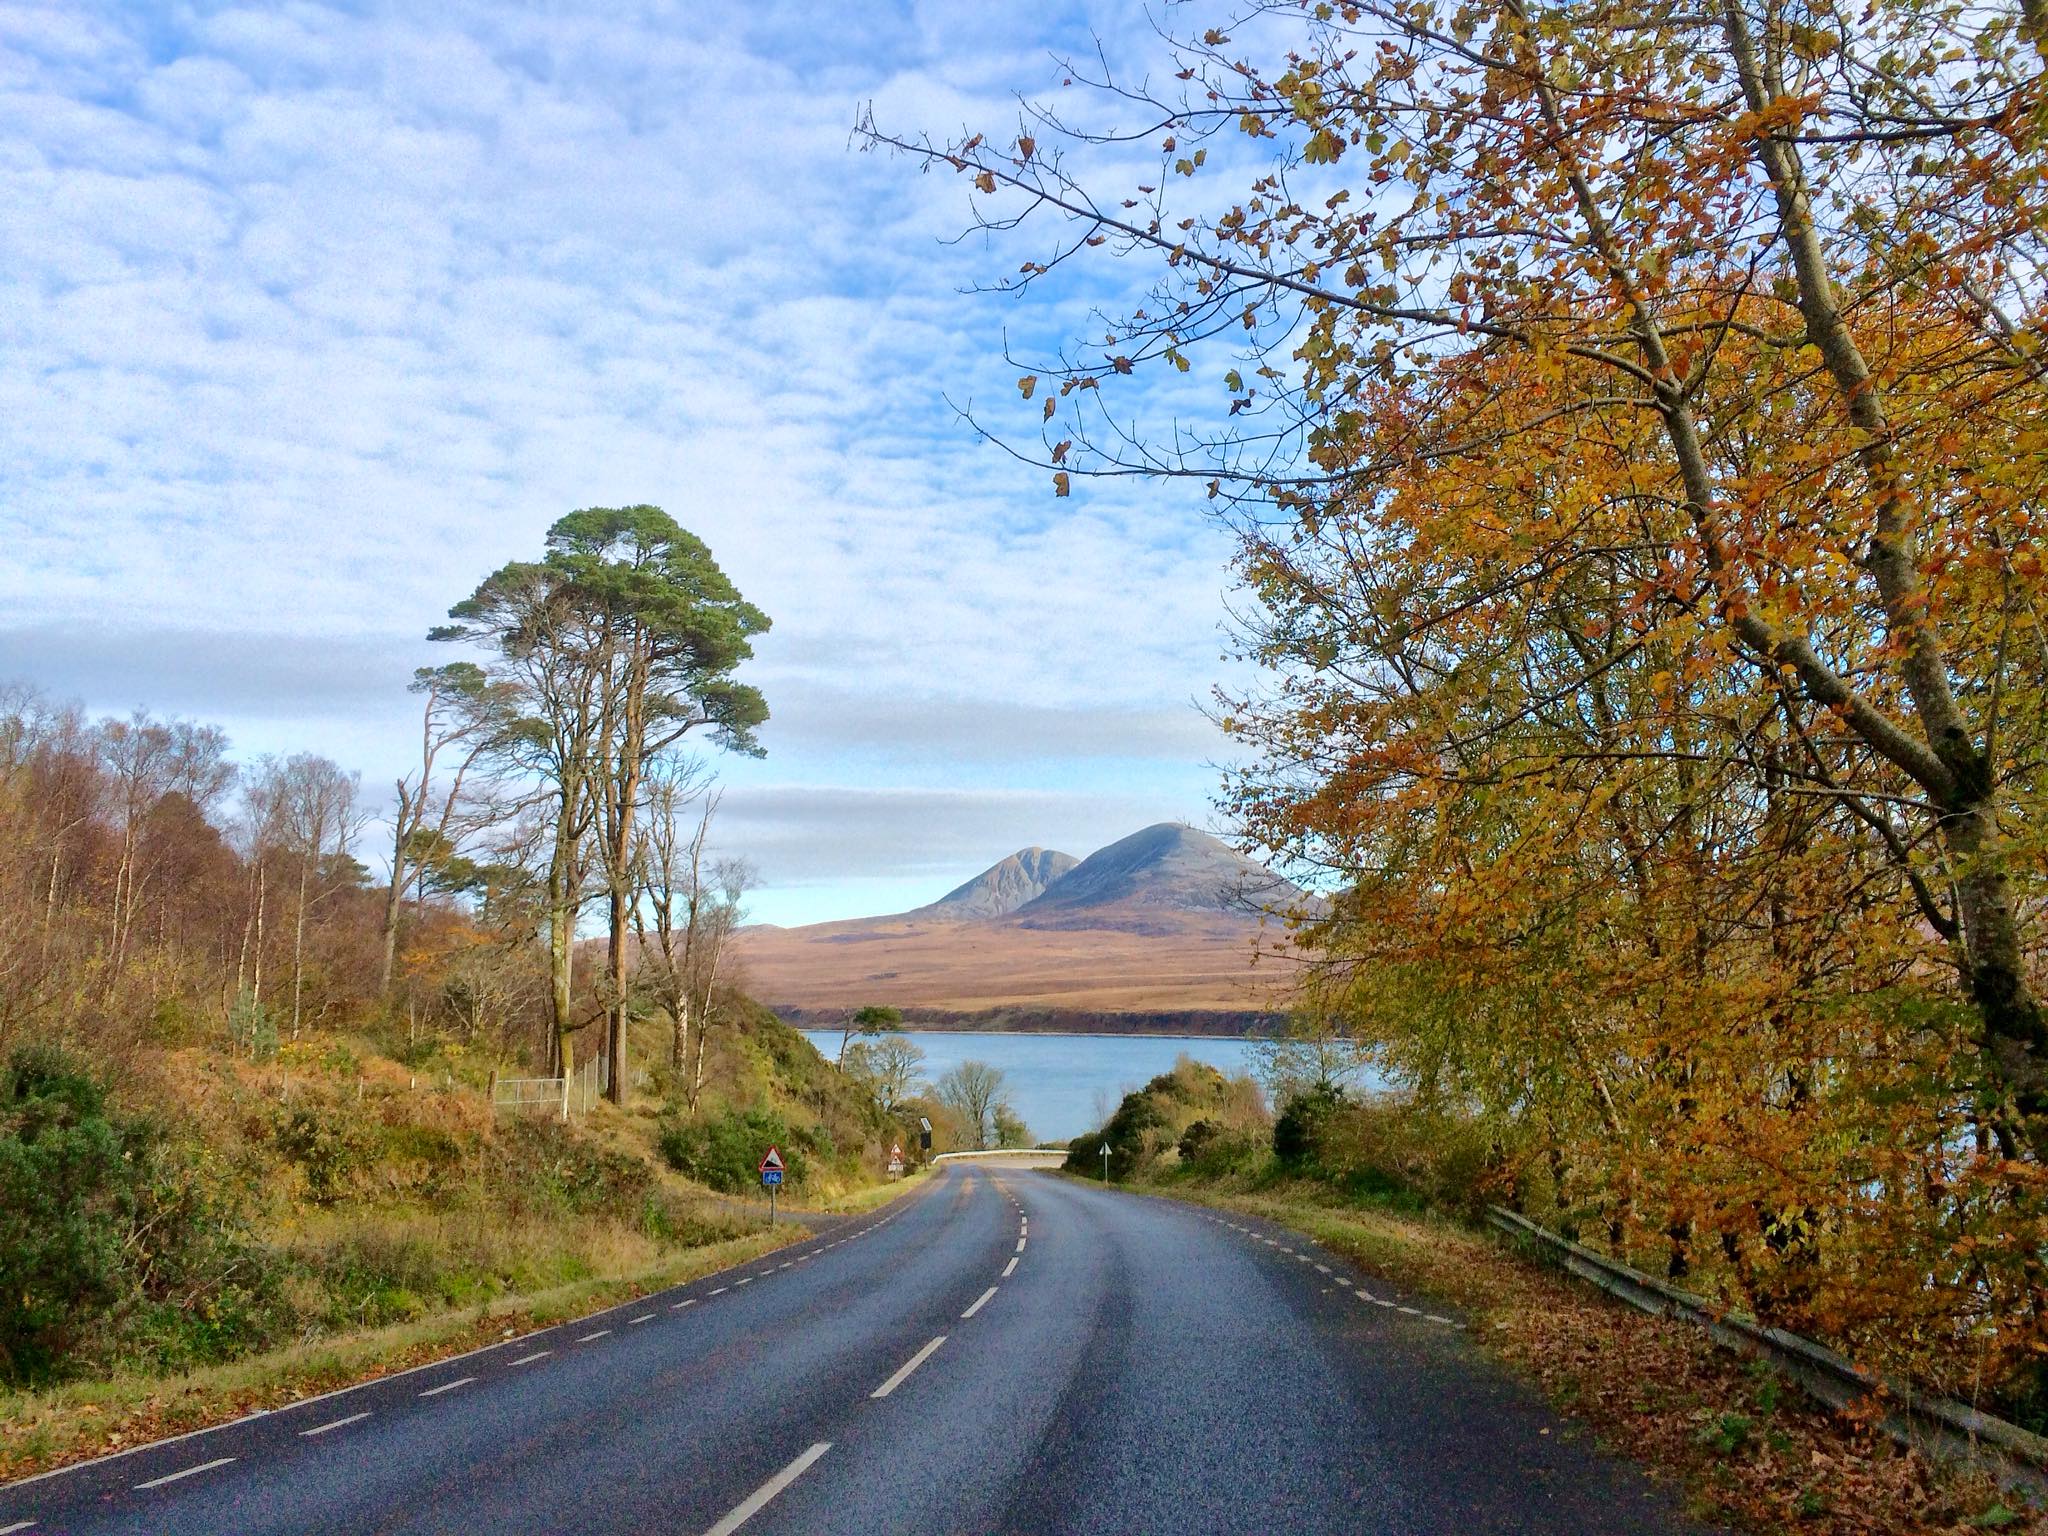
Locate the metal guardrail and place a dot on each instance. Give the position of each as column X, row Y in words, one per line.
column 1057, row 1154
column 1936, row 1425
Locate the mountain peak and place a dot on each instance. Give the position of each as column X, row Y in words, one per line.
column 1167, row 865
column 1001, row 888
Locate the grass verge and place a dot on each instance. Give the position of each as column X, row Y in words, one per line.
column 79, row 1420
column 1750, row 1451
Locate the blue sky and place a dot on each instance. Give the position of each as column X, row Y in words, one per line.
column 311, row 315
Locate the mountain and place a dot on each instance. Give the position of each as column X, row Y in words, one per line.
column 1160, row 926
column 1001, row 888
column 1167, row 867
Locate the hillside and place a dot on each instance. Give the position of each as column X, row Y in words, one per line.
column 1162, row 928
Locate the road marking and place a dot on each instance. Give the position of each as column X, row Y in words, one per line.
column 1322, row 1269
column 782, row 1266
column 757, row 1501
column 903, row 1374
column 744, row 1280
column 538, row 1354
column 1020, row 1245
column 307, row 1434
column 1367, row 1296
column 721, row 1290
column 979, row 1302
column 1007, row 1268
column 1409, row 1310
column 644, row 1317
column 448, row 1386
column 682, row 1304
column 1435, row 1319
column 204, row 1466
column 19, row 1525
column 597, row 1335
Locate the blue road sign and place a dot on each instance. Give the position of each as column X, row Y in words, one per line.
column 771, row 1176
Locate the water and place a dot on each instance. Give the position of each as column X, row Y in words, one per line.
column 1063, row 1085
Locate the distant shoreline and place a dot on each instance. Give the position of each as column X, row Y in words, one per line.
column 1176, row 1023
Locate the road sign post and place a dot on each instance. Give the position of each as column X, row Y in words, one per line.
column 1105, row 1162
column 895, row 1161
column 771, row 1178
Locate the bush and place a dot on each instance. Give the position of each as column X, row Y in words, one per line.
column 326, row 1145
column 109, row 1243
column 545, row 1159
column 1299, row 1133
column 724, row 1151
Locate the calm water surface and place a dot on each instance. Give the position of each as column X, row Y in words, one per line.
column 1063, row 1085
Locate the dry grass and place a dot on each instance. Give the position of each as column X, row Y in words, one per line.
column 1201, row 964
column 1750, row 1451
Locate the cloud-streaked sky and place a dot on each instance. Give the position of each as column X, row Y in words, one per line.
column 311, row 315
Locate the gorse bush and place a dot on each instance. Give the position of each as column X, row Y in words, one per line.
column 111, row 1245
column 723, row 1151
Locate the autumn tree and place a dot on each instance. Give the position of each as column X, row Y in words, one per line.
column 462, row 714
column 978, row 1094
column 1630, row 418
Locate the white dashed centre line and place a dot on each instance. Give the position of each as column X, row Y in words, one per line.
column 644, row 1317
column 682, row 1304
column 448, row 1386
column 757, row 1501
column 1020, row 1245
column 744, row 1280
column 321, row 1429
column 903, row 1372
column 538, row 1354
column 172, row 1477
column 721, row 1290
column 597, row 1335
column 979, row 1302
column 1009, row 1267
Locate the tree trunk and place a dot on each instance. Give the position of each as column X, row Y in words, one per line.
column 299, row 945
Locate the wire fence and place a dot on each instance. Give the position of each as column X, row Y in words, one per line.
column 550, row 1095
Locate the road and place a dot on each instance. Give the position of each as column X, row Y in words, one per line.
column 1003, row 1351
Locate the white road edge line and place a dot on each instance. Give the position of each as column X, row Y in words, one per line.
column 538, row 1354
column 757, row 1501
column 19, row 1525
column 979, row 1302
column 204, row 1466
column 448, row 1386
column 644, row 1317
column 1007, row 1268
column 354, row 1418
column 903, row 1372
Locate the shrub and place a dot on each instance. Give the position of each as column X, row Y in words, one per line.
column 724, row 1151
column 546, row 1160
column 327, row 1146
column 1299, row 1132
column 109, row 1242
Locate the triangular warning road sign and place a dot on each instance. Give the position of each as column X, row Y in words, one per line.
column 772, row 1160
column 895, row 1154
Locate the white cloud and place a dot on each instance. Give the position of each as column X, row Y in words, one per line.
column 311, row 318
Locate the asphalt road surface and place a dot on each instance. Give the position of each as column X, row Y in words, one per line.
column 1004, row 1351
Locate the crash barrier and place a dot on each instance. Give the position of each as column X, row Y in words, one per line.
column 1937, row 1426
column 1046, row 1154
